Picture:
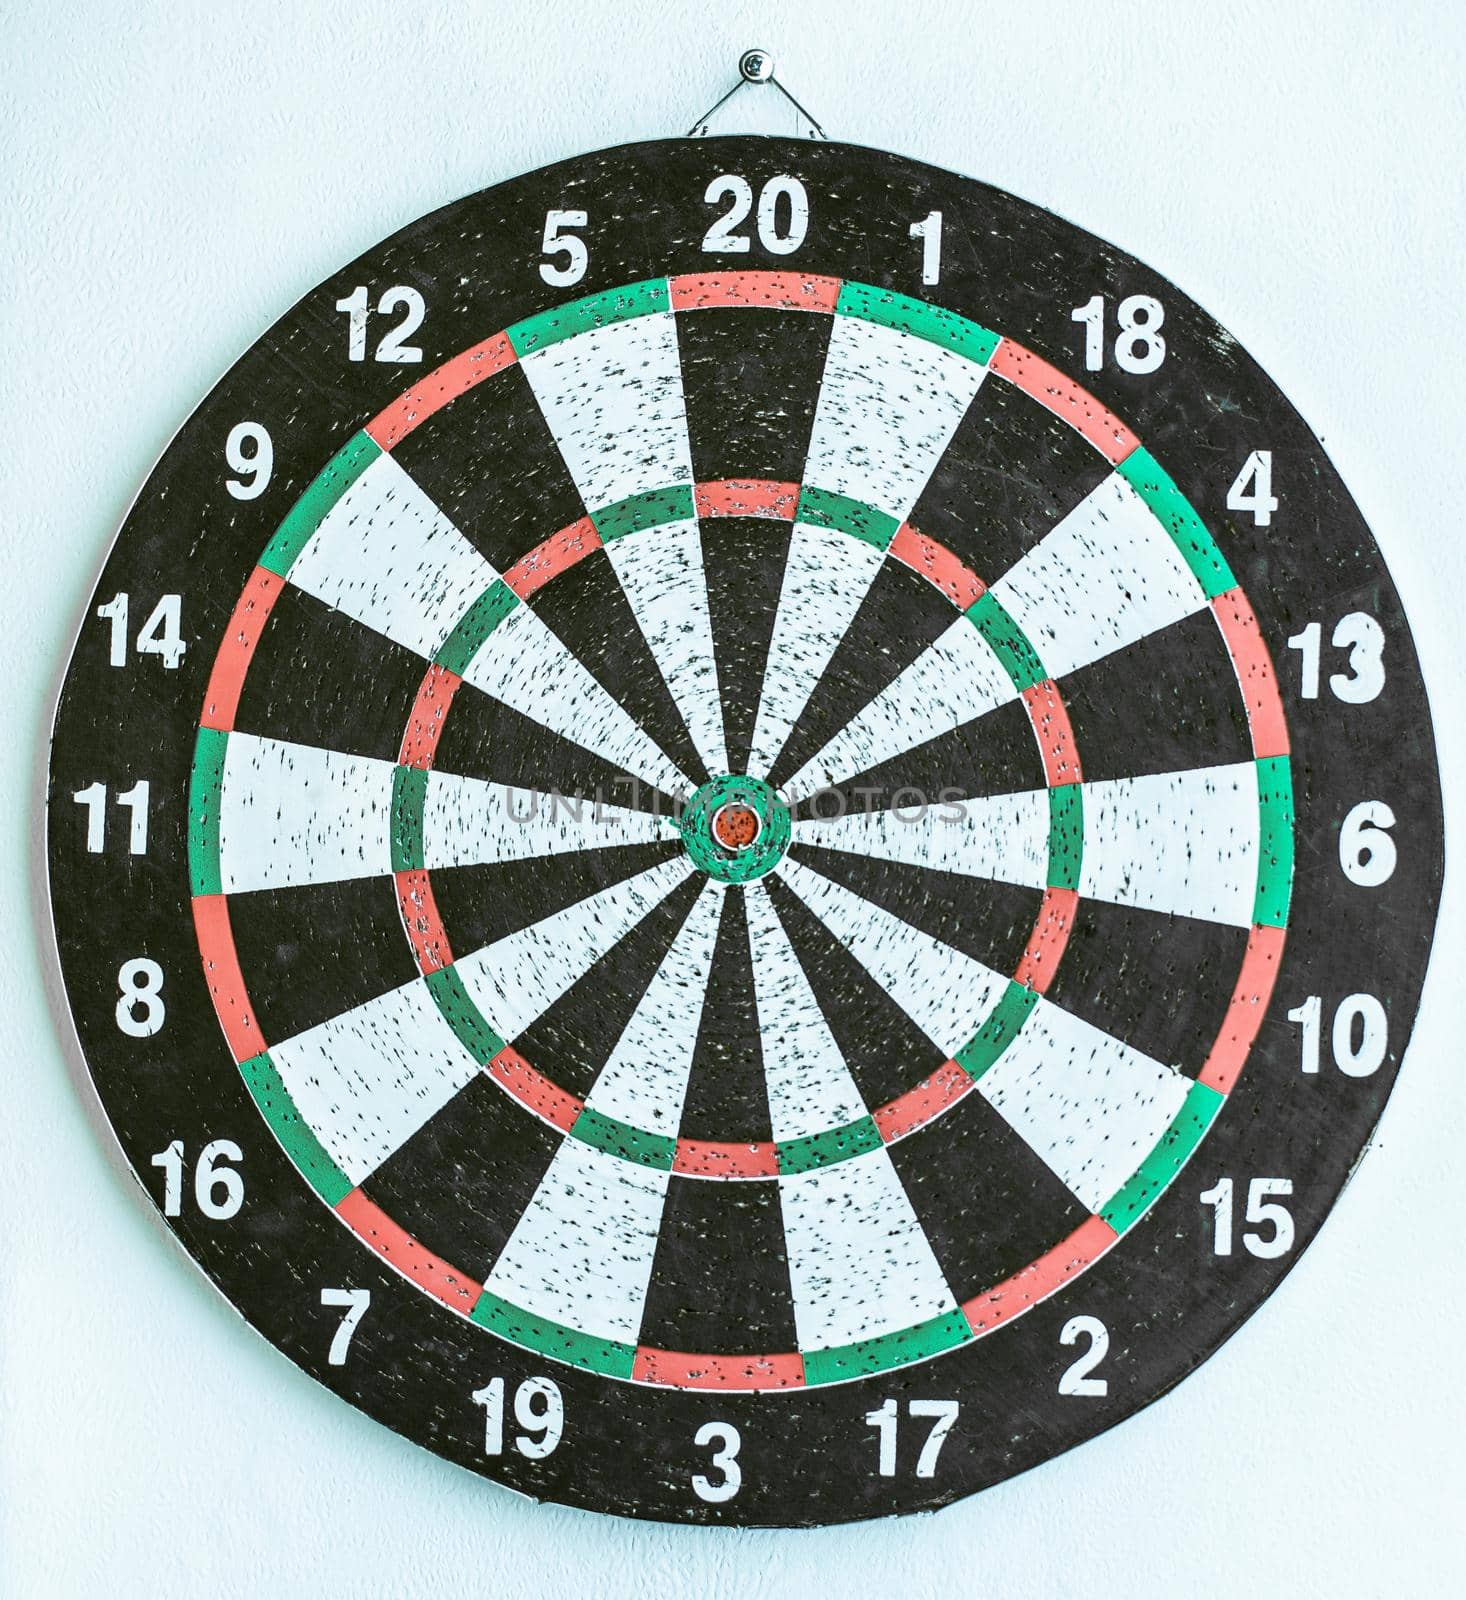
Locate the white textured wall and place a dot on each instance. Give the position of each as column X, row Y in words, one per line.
column 172, row 176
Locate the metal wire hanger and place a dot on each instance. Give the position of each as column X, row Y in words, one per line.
column 754, row 67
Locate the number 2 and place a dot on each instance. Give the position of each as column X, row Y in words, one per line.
column 1076, row 1379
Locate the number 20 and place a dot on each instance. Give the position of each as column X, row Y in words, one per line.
column 777, row 240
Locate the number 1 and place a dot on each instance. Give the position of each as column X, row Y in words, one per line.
column 929, row 231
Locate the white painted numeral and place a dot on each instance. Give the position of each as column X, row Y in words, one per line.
column 1252, row 489
column 115, row 612
column 1366, row 852
column 1262, row 1211
column 929, row 231
column 725, row 1459
column 779, row 235
column 140, row 1008
column 557, row 241
column 161, row 634
column 354, row 1303
column 1358, row 1016
column 1139, row 345
column 411, row 302
column 218, row 1191
column 257, row 463
column 1076, row 1378
column 133, row 800
column 538, row 1409
column 391, row 346
column 355, row 306
column 943, row 1413
column 720, row 238
column 1364, row 639
column 171, row 1161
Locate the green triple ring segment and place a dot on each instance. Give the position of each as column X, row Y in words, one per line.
column 718, row 860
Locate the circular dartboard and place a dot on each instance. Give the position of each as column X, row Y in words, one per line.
column 744, row 832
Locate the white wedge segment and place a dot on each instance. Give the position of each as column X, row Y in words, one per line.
column 294, row 814
column 1185, row 843
column 581, row 1253
column 859, row 1264
column 526, row 666
column 947, row 994
column 1089, row 1105
column 644, row 1081
column 1001, row 836
column 367, row 1080
column 826, row 577
column 613, row 400
column 661, row 572
column 1103, row 578
column 888, row 406
column 953, row 681
column 809, row 1086
column 469, row 822
column 385, row 555
column 521, row 975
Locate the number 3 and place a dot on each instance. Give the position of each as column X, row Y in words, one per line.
column 725, row 1459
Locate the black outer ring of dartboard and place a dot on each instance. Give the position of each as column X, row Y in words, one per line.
column 806, row 1457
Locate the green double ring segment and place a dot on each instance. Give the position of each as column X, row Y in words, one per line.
column 718, row 860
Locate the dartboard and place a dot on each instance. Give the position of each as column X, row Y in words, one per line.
column 744, row 832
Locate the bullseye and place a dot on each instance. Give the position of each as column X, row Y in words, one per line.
column 736, row 826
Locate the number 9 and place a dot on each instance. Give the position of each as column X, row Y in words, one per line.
column 256, row 463
column 538, row 1409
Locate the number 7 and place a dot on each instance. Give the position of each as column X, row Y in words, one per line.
column 354, row 1302
column 945, row 1414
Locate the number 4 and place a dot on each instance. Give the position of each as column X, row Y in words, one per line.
column 1252, row 489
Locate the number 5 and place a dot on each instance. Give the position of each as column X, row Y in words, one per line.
column 557, row 242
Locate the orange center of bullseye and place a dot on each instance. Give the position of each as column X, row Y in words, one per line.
column 735, row 827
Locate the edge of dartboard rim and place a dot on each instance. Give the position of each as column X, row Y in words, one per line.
column 57, row 993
